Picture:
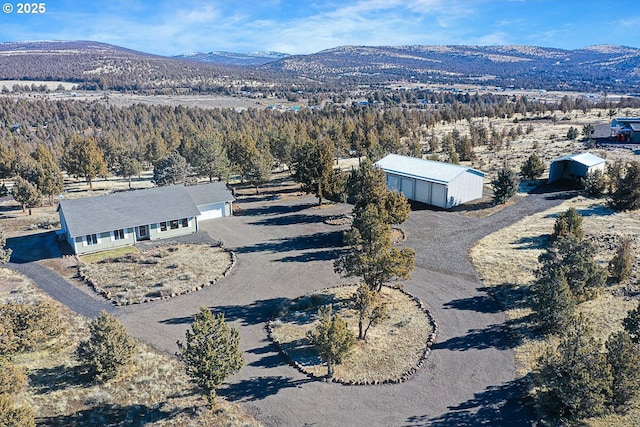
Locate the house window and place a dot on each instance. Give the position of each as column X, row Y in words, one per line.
column 118, row 234
column 163, row 226
column 174, row 224
column 185, row 222
column 142, row 231
column 92, row 239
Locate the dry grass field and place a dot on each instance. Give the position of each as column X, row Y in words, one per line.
column 392, row 348
column 135, row 277
column 506, row 261
column 155, row 391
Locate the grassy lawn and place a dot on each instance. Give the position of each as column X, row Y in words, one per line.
column 391, row 350
column 155, row 391
column 506, row 261
column 105, row 255
column 133, row 277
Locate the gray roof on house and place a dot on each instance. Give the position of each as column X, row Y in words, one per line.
column 213, row 192
column 427, row 170
column 126, row 209
column 586, row 159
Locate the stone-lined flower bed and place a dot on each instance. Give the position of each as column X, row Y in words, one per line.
column 159, row 273
column 395, row 350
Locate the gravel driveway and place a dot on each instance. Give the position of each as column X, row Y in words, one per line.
column 285, row 250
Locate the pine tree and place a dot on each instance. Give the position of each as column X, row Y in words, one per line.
column 332, row 339
column 211, row 352
column 108, row 348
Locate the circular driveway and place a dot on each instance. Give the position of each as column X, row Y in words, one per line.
column 285, row 249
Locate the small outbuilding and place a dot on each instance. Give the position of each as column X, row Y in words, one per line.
column 575, row 166
column 435, row 183
column 626, row 129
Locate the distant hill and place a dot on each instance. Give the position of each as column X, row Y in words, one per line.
column 230, row 58
column 593, row 69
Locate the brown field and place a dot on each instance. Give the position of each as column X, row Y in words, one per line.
column 392, row 348
column 155, row 391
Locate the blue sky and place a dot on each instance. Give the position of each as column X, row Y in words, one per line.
column 300, row 26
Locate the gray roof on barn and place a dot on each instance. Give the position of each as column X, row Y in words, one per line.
column 89, row 215
column 586, row 159
column 213, row 192
column 427, row 170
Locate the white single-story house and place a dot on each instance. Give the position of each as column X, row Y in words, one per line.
column 575, row 166
column 92, row 224
column 435, row 183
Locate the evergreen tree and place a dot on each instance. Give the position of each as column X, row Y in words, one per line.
column 631, row 324
column 25, row 326
column 504, row 186
column 568, row 222
column 208, row 156
column 5, row 253
column 172, row 170
column 552, row 301
column 332, row 338
column 574, row 379
column 533, row 168
column 129, row 166
column 595, row 183
column 572, row 133
column 371, row 255
column 26, row 194
column 621, row 266
column 83, row 157
column 371, row 311
column 626, row 195
column 260, row 167
column 108, row 348
column 211, row 352
column 313, row 168
column 623, row 356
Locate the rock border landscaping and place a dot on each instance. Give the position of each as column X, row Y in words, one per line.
column 107, row 294
column 404, row 377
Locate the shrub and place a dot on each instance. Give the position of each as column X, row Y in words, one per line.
column 15, row 416
column 108, row 348
column 25, row 326
column 624, row 359
column 568, row 222
column 595, row 183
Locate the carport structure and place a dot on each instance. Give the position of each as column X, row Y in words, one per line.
column 575, row 166
column 435, row 183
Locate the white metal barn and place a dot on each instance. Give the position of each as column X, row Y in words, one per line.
column 434, row 183
column 575, row 166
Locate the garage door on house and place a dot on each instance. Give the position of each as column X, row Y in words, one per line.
column 211, row 211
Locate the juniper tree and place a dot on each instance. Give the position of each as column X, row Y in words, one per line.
column 621, row 265
column 371, row 311
column 552, row 301
column 211, row 352
column 332, row 338
column 568, row 222
column 574, row 380
column 26, row 194
column 631, row 324
column 172, row 170
column 623, row 357
column 595, row 183
column 108, row 349
column 626, row 195
column 533, row 168
column 504, row 186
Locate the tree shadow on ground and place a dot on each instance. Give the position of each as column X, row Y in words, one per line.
column 479, row 303
column 108, row 416
column 535, row 242
column 258, row 388
column 276, row 209
column 291, row 219
column 325, row 240
column 504, row 405
column 323, row 255
column 502, row 336
column 48, row 380
column 34, row 247
column 252, row 314
column 271, row 357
